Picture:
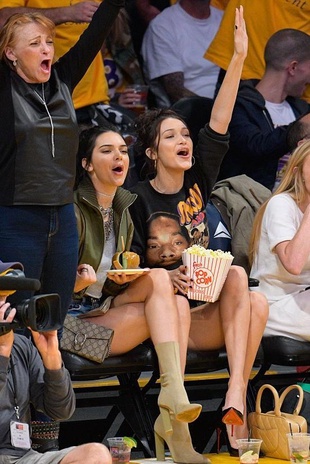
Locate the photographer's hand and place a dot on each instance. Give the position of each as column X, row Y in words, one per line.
column 7, row 339
column 48, row 347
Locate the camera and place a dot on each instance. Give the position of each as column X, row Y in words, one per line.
column 41, row 313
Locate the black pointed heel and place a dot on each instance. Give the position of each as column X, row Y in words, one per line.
column 222, row 439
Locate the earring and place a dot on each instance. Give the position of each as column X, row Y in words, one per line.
column 14, row 63
column 155, row 164
column 193, row 160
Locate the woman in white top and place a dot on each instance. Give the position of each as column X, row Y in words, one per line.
column 280, row 250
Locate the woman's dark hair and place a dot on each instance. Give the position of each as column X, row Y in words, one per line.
column 87, row 144
column 147, row 128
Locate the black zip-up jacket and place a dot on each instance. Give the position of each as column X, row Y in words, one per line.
column 38, row 128
column 255, row 145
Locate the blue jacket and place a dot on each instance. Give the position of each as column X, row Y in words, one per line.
column 255, row 145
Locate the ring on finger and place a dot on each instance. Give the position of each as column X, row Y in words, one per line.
column 84, row 269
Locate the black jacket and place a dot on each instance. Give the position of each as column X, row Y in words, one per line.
column 38, row 147
column 255, row 145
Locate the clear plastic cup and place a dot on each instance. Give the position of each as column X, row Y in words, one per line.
column 249, row 450
column 299, row 444
column 120, row 452
column 141, row 92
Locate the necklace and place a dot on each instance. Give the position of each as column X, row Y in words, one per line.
column 105, row 194
column 107, row 216
column 105, row 211
column 163, row 191
column 156, row 187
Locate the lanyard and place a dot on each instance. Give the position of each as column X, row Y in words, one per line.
column 16, row 407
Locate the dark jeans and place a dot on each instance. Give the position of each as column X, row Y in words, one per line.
column 45, row 240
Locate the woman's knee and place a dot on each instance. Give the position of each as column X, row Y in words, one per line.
column 237, row 280
column 237, row 277
column 161, row 279
column 259, row 306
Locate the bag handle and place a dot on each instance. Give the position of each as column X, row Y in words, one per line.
column 258, row 409
column 301, row 397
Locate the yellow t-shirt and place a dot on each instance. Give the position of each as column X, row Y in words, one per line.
column 93, row 88
column 263, row 18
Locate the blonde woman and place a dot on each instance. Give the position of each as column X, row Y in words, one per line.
column 280, row 250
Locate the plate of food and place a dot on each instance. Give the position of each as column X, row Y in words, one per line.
column 137, row 271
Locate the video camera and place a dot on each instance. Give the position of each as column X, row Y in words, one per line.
column 41, row 312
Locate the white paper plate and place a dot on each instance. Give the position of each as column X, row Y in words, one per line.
column 128, row 271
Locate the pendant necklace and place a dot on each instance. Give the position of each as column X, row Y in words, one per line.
column 107, row 216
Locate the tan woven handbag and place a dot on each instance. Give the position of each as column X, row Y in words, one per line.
column 272, row 426
column 91, row 341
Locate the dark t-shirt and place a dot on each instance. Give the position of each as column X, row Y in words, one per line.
column 166, row 224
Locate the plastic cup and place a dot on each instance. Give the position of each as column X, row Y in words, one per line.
column 299, row 444
column 249, row 450
column 120, row 452
column 141, row 92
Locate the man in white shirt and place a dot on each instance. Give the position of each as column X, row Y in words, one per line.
column 173, row 49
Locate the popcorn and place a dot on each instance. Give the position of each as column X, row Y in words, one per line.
column 208, row 269
column 201, row 251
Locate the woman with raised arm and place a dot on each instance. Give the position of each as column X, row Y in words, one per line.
column 138, row 304
column 180, row 186
column 38, row 145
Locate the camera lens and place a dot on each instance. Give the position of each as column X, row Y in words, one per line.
column 42, row 313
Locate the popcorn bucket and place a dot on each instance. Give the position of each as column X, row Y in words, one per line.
column 208, row 269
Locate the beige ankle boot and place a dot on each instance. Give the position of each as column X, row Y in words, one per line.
column 173, row 397
column 179, row 443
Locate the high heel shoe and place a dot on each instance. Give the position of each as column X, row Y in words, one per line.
column 179, row 443
column 173, row 399
column 222, row 439
column 232, row 416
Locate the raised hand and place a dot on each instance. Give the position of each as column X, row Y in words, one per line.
column 47, row 345
column 83, row 12
column 240, row 36
column 7, row 339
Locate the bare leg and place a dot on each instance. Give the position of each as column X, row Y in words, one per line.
column 90, row 453
column 238, row 321
column 148, row 308
column 259, row 316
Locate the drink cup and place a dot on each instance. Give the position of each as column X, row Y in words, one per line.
column 139, row 105
column 120, row 452
column 298, row 444
column 249, row 450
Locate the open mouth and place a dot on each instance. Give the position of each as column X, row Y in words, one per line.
column 118, row 169
column 46, row 65
column 183, row 153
